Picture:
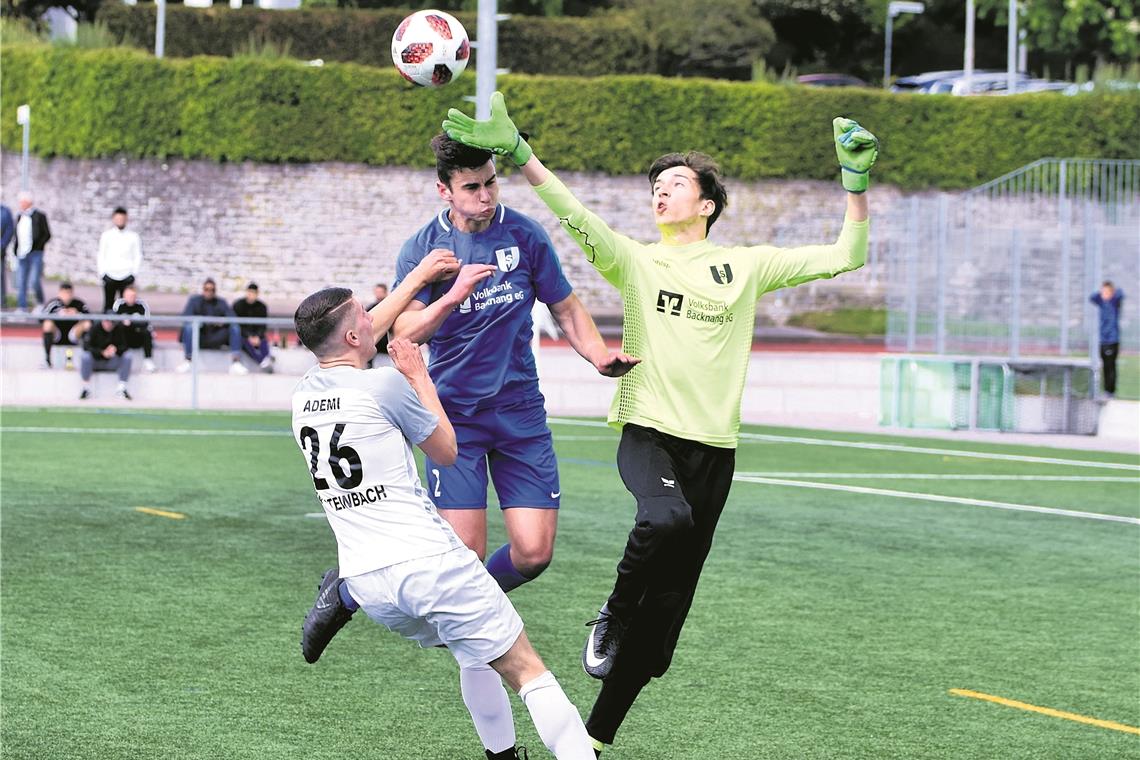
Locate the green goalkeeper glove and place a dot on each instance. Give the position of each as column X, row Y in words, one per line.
column 497, row 134
column 857, row 150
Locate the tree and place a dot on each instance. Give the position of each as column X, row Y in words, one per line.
column 720, row 39
column 1103, row 30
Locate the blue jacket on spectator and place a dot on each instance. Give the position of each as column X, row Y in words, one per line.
column 1109, row 316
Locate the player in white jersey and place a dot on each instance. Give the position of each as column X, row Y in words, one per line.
column 398, row 558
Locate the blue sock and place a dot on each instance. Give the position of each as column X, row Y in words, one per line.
column 504, row 571
column 346, row 597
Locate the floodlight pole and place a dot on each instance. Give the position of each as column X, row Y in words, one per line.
column 486, row 62
column 968, row 63
column 1011, row 51
column 160, row 29
column 895, row 8
column 24, row 119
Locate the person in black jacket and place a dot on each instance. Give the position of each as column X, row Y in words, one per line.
column 32, row 235
column 139, row 332
column 253, row 339
column 213, row 334
column 60, row 326
column 105, row 350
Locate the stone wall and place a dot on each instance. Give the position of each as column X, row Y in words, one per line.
column 296, row 227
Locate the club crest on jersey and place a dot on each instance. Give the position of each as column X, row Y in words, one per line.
column 508, row 258
column 721, row 275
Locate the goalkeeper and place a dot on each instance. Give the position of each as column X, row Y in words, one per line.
column 679, row 415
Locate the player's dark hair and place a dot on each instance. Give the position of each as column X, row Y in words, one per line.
column 708, row 174
column 1107, row 284
column 119, row 210
column 319, row 316
column 66, row 285
column 452, row 155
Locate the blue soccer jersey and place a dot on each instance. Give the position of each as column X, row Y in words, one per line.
column 480, row 357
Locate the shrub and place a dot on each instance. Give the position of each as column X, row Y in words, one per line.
column 90, row 103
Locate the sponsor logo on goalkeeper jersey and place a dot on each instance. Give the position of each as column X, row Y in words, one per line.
column 697, row 309
column 669, row 303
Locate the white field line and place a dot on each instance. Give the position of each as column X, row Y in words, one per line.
column 764, row 438
column 941, row 476
column 144, row 431
column 935, row 497
column 226, row 431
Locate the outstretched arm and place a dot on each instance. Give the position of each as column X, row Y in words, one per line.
column 499, row 135
column 580, row 330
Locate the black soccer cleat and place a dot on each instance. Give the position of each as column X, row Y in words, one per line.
column 602, row 644
column 327, row 616
column 514, row 753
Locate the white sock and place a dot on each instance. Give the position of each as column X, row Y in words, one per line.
column 490, row 707
column 558, row 723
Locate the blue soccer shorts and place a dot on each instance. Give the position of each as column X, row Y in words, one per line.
column 515, row 444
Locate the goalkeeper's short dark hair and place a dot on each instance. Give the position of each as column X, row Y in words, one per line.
column 708, row 174
column 319, row 316
column 452, row 155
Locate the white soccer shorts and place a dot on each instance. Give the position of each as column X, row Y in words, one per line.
column 448, row 598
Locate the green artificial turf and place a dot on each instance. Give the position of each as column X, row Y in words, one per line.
column 828, row 624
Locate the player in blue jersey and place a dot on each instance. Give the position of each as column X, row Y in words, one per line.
column 482, row 364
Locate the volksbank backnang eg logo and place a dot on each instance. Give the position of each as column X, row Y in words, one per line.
column 669, row 303
column 508, row 258
column 465, row 307
column 722, row 275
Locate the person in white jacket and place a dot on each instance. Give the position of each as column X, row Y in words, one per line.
column 120, row 257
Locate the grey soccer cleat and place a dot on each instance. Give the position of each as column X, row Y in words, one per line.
column 327, row 616
column 602, row 644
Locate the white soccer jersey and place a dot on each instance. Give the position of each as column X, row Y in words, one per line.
column 356, row 429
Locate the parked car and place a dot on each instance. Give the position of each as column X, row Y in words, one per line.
column 982, row 82
column 830, row 80
column 923, row 82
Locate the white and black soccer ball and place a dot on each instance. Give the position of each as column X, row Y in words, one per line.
column 430, row 48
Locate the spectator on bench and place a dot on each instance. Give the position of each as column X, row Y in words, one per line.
column 212, row 335
column 58, row 331
column 105, row 350
column 253, row 339
column 138, row 331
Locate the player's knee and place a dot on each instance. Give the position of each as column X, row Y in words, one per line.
column 532, row 560
column 666, row 516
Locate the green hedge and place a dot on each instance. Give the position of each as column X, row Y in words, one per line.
column 107, row 102
column 565, row 46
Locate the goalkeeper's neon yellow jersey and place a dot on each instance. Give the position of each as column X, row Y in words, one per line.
column 689, row 313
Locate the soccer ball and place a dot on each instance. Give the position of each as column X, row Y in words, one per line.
column 430, row 48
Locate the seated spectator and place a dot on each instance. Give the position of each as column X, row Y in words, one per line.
column 212, row 335
column 138, row 331
column 253, row 339
column 105, row 350
column 58, row 329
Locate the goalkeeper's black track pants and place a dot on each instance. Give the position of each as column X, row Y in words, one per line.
column 681, row 487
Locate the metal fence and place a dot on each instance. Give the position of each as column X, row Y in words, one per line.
column 282, row 326
column 1007, row 268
